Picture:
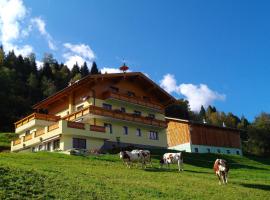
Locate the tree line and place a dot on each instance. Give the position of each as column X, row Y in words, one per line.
column 23, row 84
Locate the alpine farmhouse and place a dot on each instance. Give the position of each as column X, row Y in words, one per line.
column 97, row 112
column 105, row 111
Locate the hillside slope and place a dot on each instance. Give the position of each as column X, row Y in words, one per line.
column 57, row 176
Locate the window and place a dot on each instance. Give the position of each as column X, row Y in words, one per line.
column 56, row 144
column 228, row 151
column 125, row 130
column 237, row 152
column 153, row 135
column 196, row 150
column 152, row 116
column 40, row 147
column 131, row 94
column 107, row 106
column 109, row 126
column 138, row 132
column 123, row 109
column 27, row 132
column 208, row 150
column 114, row 89
column 218, row 150
column 79, row 143
column 137, row 113
column 79, row 107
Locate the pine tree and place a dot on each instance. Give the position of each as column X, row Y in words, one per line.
column 94, row 69
column 84, row 70
column 75, row 70
column 2, row 56
column 202, row 113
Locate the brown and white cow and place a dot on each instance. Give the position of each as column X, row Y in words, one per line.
column 132, row 157
column 145, row 154
column 171, row 158
column 221, row 168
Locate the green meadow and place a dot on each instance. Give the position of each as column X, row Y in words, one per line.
column 57, row 176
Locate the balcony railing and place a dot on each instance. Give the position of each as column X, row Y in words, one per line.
column 117, row 115
column 53, row 127
column 134, row 100
column 17, row 141
column 97, row 128
column 77, row 125
column 28, row 137
column 39, row 132
column 36, row 116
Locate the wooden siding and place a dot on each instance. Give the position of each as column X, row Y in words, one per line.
column 177, row 133
column 211, row 136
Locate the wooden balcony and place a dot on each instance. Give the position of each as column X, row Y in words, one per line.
column 34, row 116
column 53, row 127
column 17, row 141
column 77, row 125
column 97, row 128
column 117, row 115
column 134, row 100
column 28, row 137
column 39, row 132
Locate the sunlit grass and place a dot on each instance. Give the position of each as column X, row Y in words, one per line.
column 58, row 176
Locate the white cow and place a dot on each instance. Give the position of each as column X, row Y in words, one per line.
column 145, row 154
column 132, row 157
column 171, row 158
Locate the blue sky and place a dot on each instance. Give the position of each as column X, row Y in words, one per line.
column 210, row 52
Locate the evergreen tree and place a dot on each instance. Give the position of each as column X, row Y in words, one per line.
column 94, row 69
column 202, row 113
column 75, row 70
column 84, row 70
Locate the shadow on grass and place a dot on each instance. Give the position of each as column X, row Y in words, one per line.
column 197, row 172
column 257, row 186
column 157, row 169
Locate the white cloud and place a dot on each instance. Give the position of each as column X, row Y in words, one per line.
column 41, row 26
column 79, row 53
column 168, row 83
column 111, row 70
column 12, row 12
column 197, row 95
column 39, row 64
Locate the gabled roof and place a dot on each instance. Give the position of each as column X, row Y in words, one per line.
column 166, row 97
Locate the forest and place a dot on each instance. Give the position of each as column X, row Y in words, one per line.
column 23, row 84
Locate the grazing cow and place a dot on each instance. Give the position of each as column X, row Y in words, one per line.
column 171, row 158
column 221, row 168
column 145, row 154
column 131, row 157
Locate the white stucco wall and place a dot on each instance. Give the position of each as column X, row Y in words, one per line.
column 213, row 149
column 182, row 147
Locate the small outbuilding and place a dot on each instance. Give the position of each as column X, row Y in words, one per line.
column 197, row 137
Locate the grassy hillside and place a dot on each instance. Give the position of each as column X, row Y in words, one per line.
column 5, row 139
column 57, row 176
